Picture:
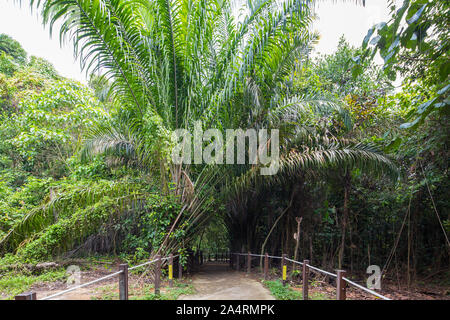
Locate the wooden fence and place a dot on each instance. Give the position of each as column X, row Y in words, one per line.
column 341, row 280
column 235, row 263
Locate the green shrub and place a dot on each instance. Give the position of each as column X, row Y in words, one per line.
column 281, row 292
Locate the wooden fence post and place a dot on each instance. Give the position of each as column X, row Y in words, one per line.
column 284, row 268
column 237, row 261
column 26, row 296
column 157, row 274
column 249, row 262
column 171, row 270
column 230, row 260
column 341, row 285
column 305, row 279
column 266, row 266
column 123, row 281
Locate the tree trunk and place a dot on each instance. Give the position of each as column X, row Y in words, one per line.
column 344, row 218
column 275, row 224
column 299, row 221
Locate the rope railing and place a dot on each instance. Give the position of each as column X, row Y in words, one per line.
column 143, row 264
column 341, row 280
column 366, row 289
column 293, row 261
column 256, row 255
column 82, row 285
column 322, row 271
column 220, row 256
column 150, row 262
column 123, row 281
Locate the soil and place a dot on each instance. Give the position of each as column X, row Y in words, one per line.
column 390, row 289
column 85, row 293
column 216, row 281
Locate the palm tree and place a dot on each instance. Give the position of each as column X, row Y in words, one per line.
column 173, row 62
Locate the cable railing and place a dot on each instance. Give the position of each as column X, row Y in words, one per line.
column 123, row 279
column 366, row 289
column 217, row 256
column 81, row 285
column 232, row 258
column 341, row 280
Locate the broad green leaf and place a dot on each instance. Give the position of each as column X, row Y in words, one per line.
column 416, row 16
column 443, row 72
column 368, row 36
column 393, row 145
column 410, row 124
column 375, row 40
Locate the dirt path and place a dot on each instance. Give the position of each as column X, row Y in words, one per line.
column 215, row 281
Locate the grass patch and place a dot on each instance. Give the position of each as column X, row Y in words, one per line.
column 281, row 292
column 14, row 283
column 319, row 296
column 167, row 293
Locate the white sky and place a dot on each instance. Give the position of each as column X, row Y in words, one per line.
column 335, row 18
column 25, row 27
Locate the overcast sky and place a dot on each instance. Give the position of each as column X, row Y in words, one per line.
column 334, row 20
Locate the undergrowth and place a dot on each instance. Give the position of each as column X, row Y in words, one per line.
column 281, row 292
column 14, row 283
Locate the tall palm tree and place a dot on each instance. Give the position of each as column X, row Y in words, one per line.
column 173, row 62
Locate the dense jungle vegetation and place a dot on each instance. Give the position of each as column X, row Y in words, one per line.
column 363, row 169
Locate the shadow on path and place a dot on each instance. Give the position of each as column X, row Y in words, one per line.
column 216, row 281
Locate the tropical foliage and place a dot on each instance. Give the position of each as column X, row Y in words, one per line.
column 89, row 169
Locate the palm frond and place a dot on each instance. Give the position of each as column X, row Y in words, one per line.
column 317, row 155
column 110, row 140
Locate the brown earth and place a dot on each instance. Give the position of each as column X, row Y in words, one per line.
column 216, row 281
